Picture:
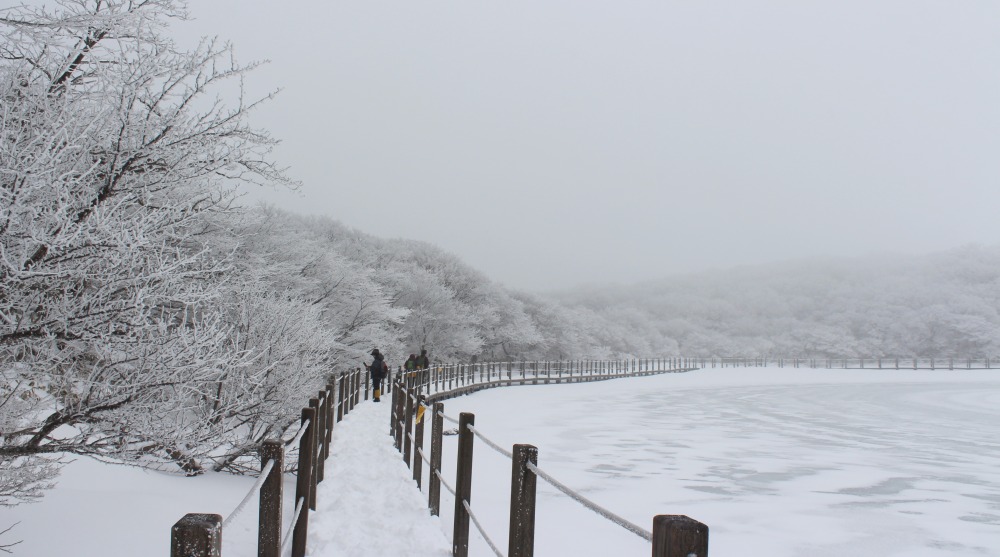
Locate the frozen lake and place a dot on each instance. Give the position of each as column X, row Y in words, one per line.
column 777, row 462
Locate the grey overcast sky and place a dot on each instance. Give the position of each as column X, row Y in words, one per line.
column 552, row 143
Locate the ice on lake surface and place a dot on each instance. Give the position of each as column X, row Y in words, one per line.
column 777, row 462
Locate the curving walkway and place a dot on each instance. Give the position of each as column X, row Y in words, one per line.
column 368, row 505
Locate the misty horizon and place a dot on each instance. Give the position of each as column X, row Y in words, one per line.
column 553, row 144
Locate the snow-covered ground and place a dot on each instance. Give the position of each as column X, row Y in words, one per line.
column 777, row 462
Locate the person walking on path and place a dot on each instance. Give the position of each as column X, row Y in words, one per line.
column 378, row 370
column 423, row 362
column 410, row 365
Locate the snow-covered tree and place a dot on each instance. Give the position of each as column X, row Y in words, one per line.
column 115, row 157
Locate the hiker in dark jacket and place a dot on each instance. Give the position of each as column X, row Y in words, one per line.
column 423, row 362
column 378, row 370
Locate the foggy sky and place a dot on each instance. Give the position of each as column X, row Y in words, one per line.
column 554, row 143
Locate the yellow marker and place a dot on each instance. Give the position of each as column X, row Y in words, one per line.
column 420, row 413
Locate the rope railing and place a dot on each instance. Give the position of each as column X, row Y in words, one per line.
column 491, row 444
column 201, row 534
column 641, row 532
column 671, row 536
column 254, row 490
column 287, row 538
column 482, row 532
column 420, row 451
column 444, row 482
column 298, row 435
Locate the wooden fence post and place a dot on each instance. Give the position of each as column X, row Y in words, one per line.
column 463, row 485
column 321, row 414
column 330, row 420
column 197, row 535
column 418, row 443
column 357, row 387
column 342, row 393
column 269, row 524
column 676, row 535
column 521, row 539
column 397, row 426
column 408, row 428
column 437, row 431
column 303, row 483
column 314, row 431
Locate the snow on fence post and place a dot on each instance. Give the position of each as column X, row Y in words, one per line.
column 408, row 427
column 392, row 413
column 418, row 445
column 314, row 431
column 348, row 392
column 269, row 518
column 437, row 431
column 303, row 483
column 342, row 395
column 197, row 535
column 397, row 427
column 463, row 485
column 523, row 482
column 351, row 389
column 321, row 435
column 357, row 388
column 330, row 420
column 676, row 535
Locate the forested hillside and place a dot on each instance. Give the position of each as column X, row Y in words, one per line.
column 944, row 304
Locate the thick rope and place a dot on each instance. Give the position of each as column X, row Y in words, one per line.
column 639, row 531
column 420, row 451
column 298, row 435
column 444, row 483
column 253, row 491
column 291, row 527
column 482, row 532
column 493, row 445
column 449, row 418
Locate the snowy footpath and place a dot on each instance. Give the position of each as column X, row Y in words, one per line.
column 368, row 503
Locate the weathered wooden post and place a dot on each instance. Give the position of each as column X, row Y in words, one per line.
column 314, row 431
column 392, row 413
column 321, row 414
column 269, row 523
column 347, row 405
column 197, row 535
column 359, row 386
column 418, row 442
column 437, row 432
column 408, row 428
column 330, row 419
column 342, row 392
column 521, row 539
column 398, row 426
column 303, row 483
column 676, row 535
column 463, row 485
